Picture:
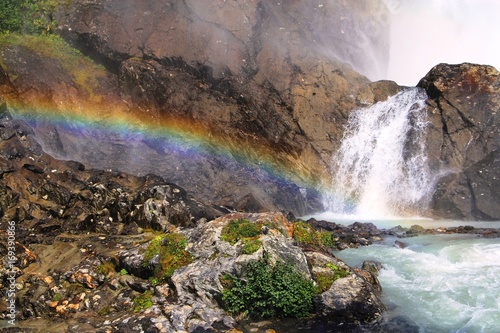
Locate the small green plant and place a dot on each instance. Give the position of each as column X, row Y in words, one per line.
column 154, row 281
column 143, row 301
column 122, row 272
column 268, row 291
column 337, row 271
column 170, row 249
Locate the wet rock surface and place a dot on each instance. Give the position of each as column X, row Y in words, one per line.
column 464, row 139
column 265, row 79
column 264, row 86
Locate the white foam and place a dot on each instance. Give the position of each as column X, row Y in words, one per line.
column 381, row 169
column 447, row 283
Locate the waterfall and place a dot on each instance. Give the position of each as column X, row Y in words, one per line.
column 381, row 169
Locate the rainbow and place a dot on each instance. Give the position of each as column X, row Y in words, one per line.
column 181, row 135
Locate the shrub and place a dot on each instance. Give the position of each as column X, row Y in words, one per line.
column 10, row 15
column 269, row 291
column 171, row 252
column 304, row 234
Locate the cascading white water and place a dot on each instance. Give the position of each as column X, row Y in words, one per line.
column 380, row 169
column 439, row 283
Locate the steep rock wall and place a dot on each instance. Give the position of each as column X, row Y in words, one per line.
column 265, row 78
column 464, row 141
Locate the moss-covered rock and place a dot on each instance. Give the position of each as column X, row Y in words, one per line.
column 166, row 253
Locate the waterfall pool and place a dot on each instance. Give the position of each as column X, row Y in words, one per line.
column 437, row 283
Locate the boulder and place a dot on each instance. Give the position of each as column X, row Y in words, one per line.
column 463, row 139
column 350, row 299
column 200, row 283
column 472, row 193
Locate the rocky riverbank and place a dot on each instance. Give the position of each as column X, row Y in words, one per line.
column 105, row 251
column 239, row 107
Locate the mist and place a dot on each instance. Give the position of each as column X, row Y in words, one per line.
column 425, row 33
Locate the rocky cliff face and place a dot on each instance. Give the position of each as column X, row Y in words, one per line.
column 464, row 104
column 248, row 99
column 265, row 78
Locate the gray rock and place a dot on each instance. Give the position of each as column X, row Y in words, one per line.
column 350, row 299
column 464, row 101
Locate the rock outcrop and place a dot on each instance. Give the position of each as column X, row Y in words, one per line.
column 463, row 141
column 138, row 253
column 48, row 196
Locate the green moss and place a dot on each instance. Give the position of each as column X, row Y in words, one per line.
column 143, row 301
column 171, row 252
column 324, row 280
column 337, row 271
column 244, row 230
column 154, row 281
column 83, row 71
column 106, row 268
column 239, row 229
column 250, row 245
column 307, row 237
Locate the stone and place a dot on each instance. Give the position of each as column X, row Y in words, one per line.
column 399, row 244
column 462, row 142
column 350, row 299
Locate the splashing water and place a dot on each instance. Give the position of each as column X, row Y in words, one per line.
column 381, row 169
column 446, row 283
